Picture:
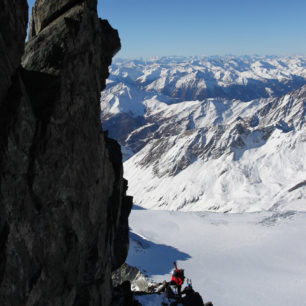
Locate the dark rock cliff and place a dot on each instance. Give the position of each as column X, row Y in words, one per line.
column 13, row 25
column 63, row 204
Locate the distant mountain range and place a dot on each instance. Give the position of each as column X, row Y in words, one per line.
column 217, row 133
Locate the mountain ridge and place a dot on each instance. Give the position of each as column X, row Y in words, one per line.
column 188, row 155
column 242, row 148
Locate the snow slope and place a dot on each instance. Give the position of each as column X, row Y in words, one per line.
column 223, row 156
column 232, row 259
column 216, row 153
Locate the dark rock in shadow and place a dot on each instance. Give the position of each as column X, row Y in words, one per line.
column 63, row 204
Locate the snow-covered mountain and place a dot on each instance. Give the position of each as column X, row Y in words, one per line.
column 243, row 78
column 217, row 153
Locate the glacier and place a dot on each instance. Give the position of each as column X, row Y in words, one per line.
column 232, row 259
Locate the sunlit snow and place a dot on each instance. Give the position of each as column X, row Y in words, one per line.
column 232, row 259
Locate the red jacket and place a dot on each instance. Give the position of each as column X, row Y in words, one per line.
column 176, row 278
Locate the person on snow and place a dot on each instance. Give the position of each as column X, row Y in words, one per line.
column 177, row 278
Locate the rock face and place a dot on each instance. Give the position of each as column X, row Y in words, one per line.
column 139, row 282
column 63, row 204
column 13, row 25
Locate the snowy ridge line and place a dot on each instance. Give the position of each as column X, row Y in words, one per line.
column 218, row 154
column 223, row 156
column 243, row 78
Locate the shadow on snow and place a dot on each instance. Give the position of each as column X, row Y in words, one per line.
column 136, row 207
column 153, row 258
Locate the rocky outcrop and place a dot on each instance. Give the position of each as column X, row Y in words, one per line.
column 133, row 288
column 64, row 209
column 160, row 294
column 139, row 282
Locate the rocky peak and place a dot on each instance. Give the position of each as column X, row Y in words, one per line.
column 63, row 204
column 45, row 12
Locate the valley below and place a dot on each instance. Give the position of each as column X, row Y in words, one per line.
column 232, row 259
column 214, row 154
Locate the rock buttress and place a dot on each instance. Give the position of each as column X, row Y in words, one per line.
column 64, row 209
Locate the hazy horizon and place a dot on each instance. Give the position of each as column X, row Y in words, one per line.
column 119, row 57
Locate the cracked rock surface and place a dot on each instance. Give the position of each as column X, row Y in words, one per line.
column 63, row 204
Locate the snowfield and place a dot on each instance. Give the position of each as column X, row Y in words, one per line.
column 233, row 259
column 261, row 179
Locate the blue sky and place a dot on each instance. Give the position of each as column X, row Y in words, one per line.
column 207, row 27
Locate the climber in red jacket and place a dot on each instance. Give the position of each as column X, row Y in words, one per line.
column 177, row 278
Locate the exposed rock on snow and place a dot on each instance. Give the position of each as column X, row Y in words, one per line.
column 124, row 295
column 138, row 280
